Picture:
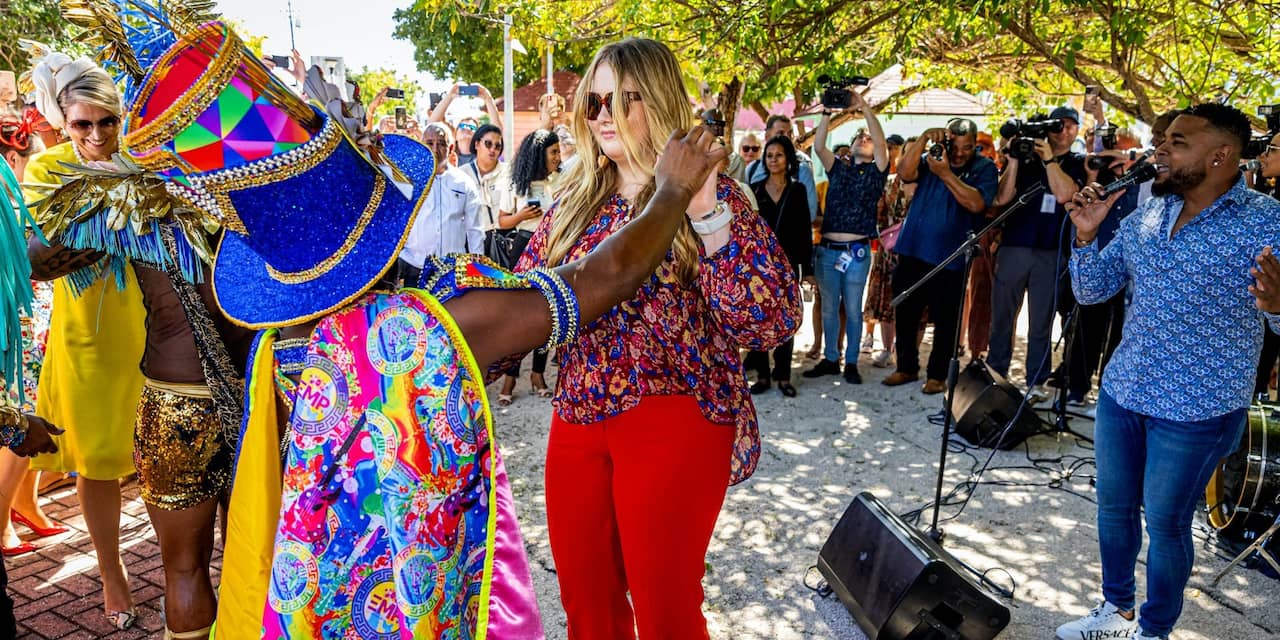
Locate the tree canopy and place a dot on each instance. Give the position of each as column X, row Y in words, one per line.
column 371, row 81
column 1145, row 55
column 39, row 20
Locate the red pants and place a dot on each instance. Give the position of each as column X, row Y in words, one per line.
column 631, row 504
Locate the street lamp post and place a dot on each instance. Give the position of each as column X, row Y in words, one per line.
column 508, row 91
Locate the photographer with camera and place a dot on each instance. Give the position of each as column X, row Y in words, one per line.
column 465, row 129
column 842, row 258
column 1266, row 177
column 954, row 186
column 1031, row 248
column 1097, row 327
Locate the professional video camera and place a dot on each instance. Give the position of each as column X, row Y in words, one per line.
column 1107, row 133
column 1022, row 136
column 1258, row 145
column 836, row 93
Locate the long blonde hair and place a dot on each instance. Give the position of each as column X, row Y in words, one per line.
column 594, row 179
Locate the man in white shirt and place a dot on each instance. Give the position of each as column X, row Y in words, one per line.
column 449, row 221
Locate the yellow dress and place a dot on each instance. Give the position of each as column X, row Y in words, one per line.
column 91, row 382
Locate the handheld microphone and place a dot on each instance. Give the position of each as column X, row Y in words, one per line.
column 1252, row 166
column 1140, row 173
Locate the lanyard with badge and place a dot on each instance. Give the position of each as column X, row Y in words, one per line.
column 856, row 253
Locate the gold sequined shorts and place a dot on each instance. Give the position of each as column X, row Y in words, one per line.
column 180, row 451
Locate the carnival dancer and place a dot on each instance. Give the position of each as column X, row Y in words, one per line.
column 88, row 383
column 653, row 418
column 393, row 515
column 189, row 414
column 1198, row 260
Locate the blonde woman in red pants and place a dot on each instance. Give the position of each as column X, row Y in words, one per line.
column 653, row 418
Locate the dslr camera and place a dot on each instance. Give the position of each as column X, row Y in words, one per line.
column 1022, row 136
column 836, row 93
column 939, row 150
column 1258, row 144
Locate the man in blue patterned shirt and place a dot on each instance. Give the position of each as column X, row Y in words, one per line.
column 1199, row 263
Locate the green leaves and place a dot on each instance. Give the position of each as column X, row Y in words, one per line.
column 1147, row 55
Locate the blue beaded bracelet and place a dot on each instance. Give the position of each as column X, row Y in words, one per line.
column 565, row 313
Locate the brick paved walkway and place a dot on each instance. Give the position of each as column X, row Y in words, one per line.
column 56, row 590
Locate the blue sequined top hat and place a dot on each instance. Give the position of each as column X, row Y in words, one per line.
column 312, row 221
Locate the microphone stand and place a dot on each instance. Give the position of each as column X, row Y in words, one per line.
column 967, row 250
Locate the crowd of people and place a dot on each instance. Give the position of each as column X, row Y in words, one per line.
column 293, row 325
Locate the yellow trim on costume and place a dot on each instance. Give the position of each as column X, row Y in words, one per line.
column 473, row 369
column 201, row 391
column 404, row 237
column 254, row 511
column 327, row 265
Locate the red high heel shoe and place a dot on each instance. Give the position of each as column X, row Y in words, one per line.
column 19, row 549
column 39, row 531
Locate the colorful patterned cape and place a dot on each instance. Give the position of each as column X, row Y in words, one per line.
column 400, row 542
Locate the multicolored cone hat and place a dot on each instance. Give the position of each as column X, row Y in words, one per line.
column 312, row 219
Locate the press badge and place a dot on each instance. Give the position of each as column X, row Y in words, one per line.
column 1048, row 203
column 842, row 263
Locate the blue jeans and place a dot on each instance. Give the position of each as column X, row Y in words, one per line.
column 1161, row 466
column 835, row 287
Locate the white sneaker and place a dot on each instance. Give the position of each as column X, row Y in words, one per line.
column 883, row 360
column 1142, row 635
column 1103, row 623
column 868, row 343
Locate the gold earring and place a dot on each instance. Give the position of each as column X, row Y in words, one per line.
column 602, row 161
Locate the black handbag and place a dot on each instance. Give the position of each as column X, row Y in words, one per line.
column 503, row 246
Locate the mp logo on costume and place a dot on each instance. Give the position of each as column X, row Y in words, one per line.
column 322, row 396
column 420, row 581
column 294, row 577
column 374, row 611
column 397, row 342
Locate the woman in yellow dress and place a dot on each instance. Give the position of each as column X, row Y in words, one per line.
column 90, row 383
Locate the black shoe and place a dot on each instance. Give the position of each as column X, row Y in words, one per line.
column 823, row 368
column 761, row 386
column 851, row 374
column 786, row 389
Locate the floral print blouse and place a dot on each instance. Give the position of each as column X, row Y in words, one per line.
column 673, row 339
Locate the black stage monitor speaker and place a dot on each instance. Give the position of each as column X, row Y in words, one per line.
column 899, row 584
column 985, row 403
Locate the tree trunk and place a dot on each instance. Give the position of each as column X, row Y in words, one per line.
column 729, row 101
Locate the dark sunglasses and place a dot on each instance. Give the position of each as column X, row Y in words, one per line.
column 490, row 144
column 109, row 122
column 595, row 103
column 751, row 148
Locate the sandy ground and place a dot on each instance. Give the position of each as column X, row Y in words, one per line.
column 835, row 440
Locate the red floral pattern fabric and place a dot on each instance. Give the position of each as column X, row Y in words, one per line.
column 673, row 339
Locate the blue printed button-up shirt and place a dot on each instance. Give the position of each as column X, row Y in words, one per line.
column 1192, row 332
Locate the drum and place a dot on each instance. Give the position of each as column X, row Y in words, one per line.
column 1243, row 496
